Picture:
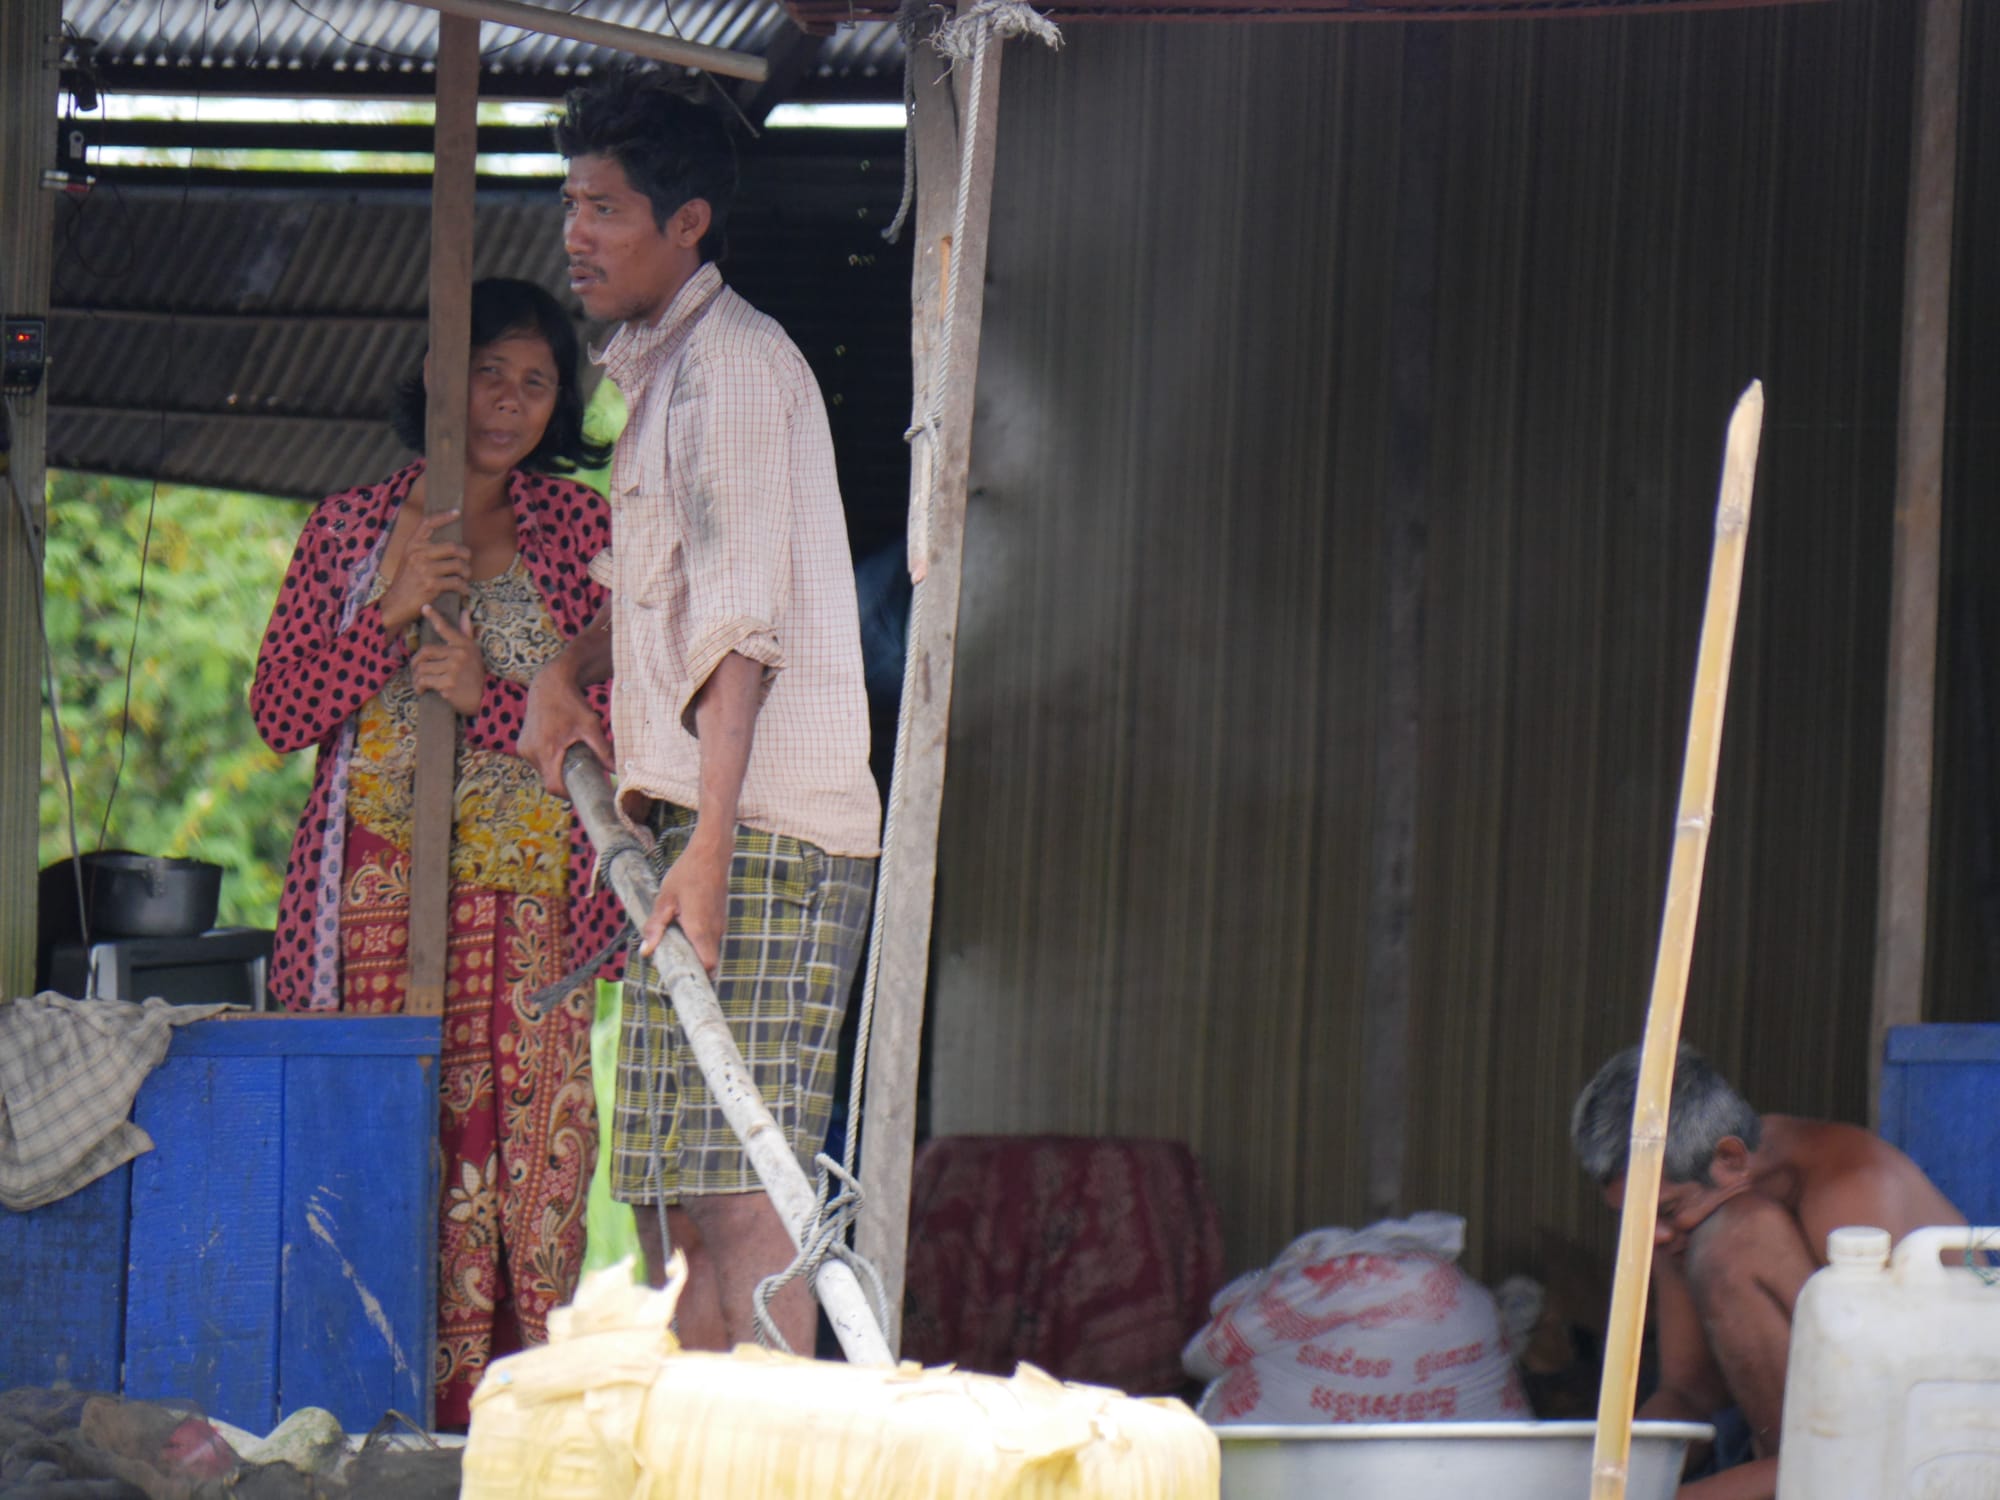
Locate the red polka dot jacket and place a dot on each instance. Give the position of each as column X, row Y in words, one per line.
column 314, row 674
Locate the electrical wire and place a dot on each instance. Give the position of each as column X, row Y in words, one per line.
column 356, row 41
column 159, row 462
column 526, row 32
column 138, row 614
column 418, row 57
column 37, row 552
column 72, row 246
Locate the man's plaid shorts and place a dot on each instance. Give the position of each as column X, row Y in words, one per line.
column 798, row 917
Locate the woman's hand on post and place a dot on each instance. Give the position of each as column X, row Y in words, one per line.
column 451, row 665
column 429, row 567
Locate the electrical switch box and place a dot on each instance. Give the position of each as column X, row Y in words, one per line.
column 23, row 355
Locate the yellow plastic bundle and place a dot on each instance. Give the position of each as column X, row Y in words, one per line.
column 613, row 1409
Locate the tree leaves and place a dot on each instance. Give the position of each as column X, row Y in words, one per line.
column 198, row 781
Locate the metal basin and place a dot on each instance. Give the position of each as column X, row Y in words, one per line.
column 1443, row 1461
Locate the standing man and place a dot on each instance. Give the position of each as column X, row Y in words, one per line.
column 738, row 708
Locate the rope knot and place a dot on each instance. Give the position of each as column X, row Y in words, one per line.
column 821, row 1236
column 958, row 39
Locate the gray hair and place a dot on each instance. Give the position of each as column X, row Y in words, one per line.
column 1704, row 1111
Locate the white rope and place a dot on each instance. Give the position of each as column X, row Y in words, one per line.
column 825, row 1235
column 957, row 41
column 963, row 39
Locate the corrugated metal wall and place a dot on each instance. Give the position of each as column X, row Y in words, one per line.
column 1155, row 856
column 1965, row 925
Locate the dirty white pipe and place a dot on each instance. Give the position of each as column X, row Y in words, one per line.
column 607, row 34
column 715, row 1050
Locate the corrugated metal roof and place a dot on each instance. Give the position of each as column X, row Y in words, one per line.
column 827, row 12
column 248, row 333
column 367, row 45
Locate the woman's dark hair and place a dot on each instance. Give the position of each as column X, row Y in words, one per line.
column 502, row 306
column 672, row 147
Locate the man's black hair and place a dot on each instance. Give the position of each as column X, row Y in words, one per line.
column 672, row 147
column 502, row 306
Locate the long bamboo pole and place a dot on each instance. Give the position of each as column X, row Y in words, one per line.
column 1611, row 1456
column 714, row 1047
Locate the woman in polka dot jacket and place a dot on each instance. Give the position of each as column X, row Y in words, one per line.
column 341, row 669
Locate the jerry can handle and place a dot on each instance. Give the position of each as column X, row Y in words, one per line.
column 1917, row 1256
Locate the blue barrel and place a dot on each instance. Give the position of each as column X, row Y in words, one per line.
column 1941, row 1106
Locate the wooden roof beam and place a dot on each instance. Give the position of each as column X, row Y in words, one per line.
column 790, row 58
column 597, row 33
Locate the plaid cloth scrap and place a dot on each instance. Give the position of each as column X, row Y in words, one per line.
column 69, row 1071
column 798, row 917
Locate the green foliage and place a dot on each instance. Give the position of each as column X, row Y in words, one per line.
column 198, row 781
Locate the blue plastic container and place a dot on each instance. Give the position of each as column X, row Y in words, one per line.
column 1941, row 1106
column 276, row 1249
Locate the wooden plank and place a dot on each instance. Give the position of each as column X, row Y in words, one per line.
column 202, row 1302
column 909, row 859
column 444, row 488
column 675, row 51
column 1909, row 752
column 62, row 1283
column 1400, row 638
column 359, row 1219
column 29, row 41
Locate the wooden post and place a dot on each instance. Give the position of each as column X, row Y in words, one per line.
column 444, row 488
column 1611, row 1452
column 1902, row 896
column 909, row 859
column 30, row 42
column 1385, row 1026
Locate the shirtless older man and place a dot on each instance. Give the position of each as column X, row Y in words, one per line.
column 1746, row 1204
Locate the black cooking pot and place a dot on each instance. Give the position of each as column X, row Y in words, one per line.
column 138, row 895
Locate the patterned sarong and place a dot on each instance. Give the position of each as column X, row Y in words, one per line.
column 518, row 1122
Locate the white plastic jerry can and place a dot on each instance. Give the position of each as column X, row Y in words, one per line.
column 1893, row 1387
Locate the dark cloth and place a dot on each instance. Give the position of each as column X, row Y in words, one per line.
column 1094, row 1259
column 1732, row 1445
